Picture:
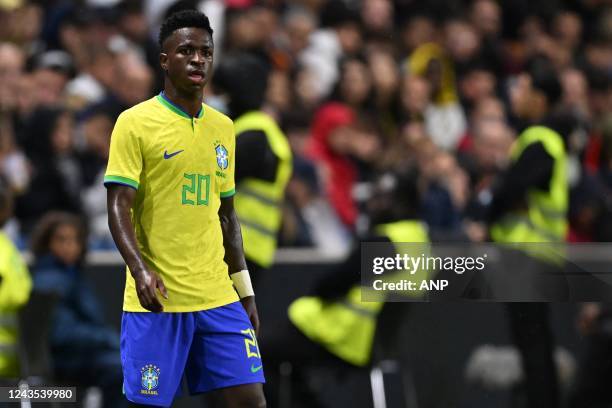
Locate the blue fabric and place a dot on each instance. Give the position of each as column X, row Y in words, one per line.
column 212, row 349
column 85, row 351
column 78, row 327
column 438, row 209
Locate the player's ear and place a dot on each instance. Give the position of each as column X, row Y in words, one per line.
column 163, row 60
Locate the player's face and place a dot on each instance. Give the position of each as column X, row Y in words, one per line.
column 187, row 59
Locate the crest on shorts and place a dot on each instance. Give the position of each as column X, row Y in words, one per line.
column 222, row 156
column 149, row 377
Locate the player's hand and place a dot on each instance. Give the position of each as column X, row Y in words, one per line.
column 147, row 284
column 249, row 305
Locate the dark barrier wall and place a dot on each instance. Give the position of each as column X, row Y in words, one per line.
column 434, row 340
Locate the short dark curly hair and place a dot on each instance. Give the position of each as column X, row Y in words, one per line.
column 182, row 19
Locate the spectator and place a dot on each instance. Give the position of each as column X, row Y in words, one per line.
column 483, row 162
column 84, row 350
column 15, row 285
column 336, row 140
column 354, row 86
column 340, row 36
column 51, row 73
column 444, row 117
column 56, row 177
column 12, row 161
column 97, row 127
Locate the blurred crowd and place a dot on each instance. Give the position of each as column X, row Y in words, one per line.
column 357, row 86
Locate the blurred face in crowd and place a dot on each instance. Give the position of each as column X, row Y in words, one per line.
column 279, row 90
column 377, row 15
column 97, row 130
column 357, row 140
column 486, row 17
column 298, row 140
column 187, row 59
column 419, row 30
column 477, row 85
column 415, row 94
column 349, row 36
column 365, row 143
column 489, row 108
column 49, row 85
column 568, row 29
column 136, row 79
column 339, row 140
column 266, row 20
column 461, row 39
column 443, row 169
column 306, row 89
column 425, row 153
column 23, row 24
column 492, row 141
column 134, row 26
column 244, row 31
column 65, row 244
column 355, row 82
column 575, row 89
column 526, row 102
column 299, row 26
column 102, row 66
column 384, row 71
column 12, row 61
column 62, row 136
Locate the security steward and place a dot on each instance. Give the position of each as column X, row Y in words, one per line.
column 263, row 157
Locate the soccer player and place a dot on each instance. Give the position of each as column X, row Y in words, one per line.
column 170, row 180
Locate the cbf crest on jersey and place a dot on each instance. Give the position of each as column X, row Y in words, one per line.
column 149, row 379
column 222, row 156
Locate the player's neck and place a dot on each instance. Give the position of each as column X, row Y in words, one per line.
column 191, row 104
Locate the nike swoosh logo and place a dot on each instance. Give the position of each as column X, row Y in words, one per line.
column 171, row 155
column 255, row 369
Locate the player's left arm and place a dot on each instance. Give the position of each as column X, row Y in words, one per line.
column 234, row 257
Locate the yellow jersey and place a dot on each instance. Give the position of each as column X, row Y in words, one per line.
column 181, row 167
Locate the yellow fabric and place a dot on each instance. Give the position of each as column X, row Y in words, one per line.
column 545, row 219
column 346, row 328
column 175, row 213
column 258, row 202
column 409, row 232
column 14, row 293
column 419, row 61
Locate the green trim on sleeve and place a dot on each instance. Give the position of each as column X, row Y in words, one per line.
column 121, row 180
column 228, row 193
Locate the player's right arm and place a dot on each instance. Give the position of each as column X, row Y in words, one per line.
column 120, row 200
column 122, row 180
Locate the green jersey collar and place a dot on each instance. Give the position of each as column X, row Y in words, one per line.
column 164, row 100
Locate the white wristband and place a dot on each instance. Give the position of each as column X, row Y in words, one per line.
column 242, row 283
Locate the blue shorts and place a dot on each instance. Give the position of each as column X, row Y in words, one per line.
column 212, row 349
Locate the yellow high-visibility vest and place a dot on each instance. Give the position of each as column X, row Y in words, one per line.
column 14, row 292
column 545, row 218
column 258, row 202
column 346, row 328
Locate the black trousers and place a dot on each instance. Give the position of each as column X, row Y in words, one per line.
column 530, row 329
column 592, row 388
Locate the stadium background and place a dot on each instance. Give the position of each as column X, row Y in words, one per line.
column 67, row 68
